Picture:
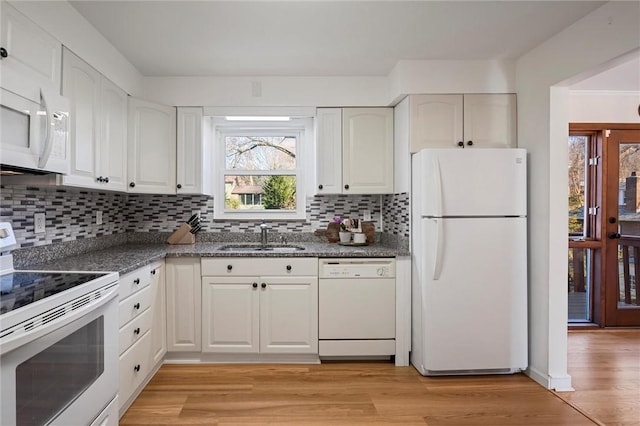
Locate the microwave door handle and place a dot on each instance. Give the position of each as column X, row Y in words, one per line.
column 46, row 152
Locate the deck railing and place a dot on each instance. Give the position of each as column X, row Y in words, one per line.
column 629, row 262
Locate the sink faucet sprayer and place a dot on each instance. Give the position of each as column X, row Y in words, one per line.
column 263, row 234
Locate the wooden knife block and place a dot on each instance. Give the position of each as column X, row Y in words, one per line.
column 182, row 235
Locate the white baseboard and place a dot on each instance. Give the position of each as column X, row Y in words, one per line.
column 558, row 383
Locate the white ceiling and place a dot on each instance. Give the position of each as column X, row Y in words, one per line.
column 321, row 38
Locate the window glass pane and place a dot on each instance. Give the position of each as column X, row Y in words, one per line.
column 260, row 152
column 259, row 192
column 577, row 184
column 580, row 284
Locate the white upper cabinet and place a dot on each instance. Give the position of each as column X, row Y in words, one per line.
column 193, row 153
column 355, row 151
column 98, row 127
column 490, row 120
column 453, row 121
column 152, row 148
column 329, row 150
column 113, row 137
column 30, row 56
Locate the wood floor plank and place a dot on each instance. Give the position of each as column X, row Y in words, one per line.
column 605, row 371
column 342, row 394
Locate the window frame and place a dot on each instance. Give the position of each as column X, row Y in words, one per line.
column 299, row 127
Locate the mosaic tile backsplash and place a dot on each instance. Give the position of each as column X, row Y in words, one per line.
column 70, row 214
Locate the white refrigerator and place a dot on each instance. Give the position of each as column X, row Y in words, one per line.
column 469, row 261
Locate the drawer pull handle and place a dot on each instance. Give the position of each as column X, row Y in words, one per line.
column 136, row 331
column 255, row 285
column 288, row 267
column 229, row 267
column 136, row 306
column 153, row 272
column 263, row 285
column 136, row 281
column 136, row 368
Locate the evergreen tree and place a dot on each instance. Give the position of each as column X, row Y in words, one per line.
column 279, row 192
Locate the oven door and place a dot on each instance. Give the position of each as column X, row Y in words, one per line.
column 66, row 377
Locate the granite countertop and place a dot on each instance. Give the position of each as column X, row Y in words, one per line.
column 128, row 257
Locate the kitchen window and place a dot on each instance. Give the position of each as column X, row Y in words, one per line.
column 260, row 168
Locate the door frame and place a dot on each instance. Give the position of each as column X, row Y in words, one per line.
column 604, row 196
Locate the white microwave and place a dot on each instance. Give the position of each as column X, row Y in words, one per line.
column 33, row 135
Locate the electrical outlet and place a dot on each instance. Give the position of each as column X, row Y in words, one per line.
column 39, row 221
column 99, row 217
column 366, row 215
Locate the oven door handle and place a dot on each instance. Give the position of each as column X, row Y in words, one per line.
column 59, row 317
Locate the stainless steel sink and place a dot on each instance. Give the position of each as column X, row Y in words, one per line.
column 258, row 247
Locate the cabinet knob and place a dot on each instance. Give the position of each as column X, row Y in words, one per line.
column 229, row 267
column 132, row 184
column 3, row 52
column 179, row 186
column 136, row 306
column 136, row 331
column 255, row 285
column 461, row 144
column 288, row 267
column 99, row 179
column 263, row 285
column 469, row 143
column 153, row 272
column 136, row 281
column 346, row 187
column 136, row 368
column 106, row 179
column 320, row 186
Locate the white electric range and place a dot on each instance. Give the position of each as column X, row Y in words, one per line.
column 58, row 344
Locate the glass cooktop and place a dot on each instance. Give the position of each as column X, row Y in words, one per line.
column 18, row 289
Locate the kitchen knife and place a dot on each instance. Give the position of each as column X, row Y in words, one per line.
column 193, row 219
column 196, row 228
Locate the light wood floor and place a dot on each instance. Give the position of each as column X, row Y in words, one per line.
column 605, row 372
column 381, row 394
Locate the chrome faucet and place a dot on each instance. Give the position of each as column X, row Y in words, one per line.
column 263, row 234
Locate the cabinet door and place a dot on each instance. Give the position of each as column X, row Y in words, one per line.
column 230, row 314
column 151, row 156
column 33, row 56
column 159, row 314
column 82, row 85
column 435, row 121
column 183, row 304
column 113, row 137
column 329, row 150
column 367, row 150
column 490, row 120
column 289, row 315
column 191, row 173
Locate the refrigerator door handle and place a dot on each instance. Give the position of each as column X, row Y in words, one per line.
column 437, row 262
column 437, row 178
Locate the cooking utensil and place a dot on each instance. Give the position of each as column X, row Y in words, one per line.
column 196, row 228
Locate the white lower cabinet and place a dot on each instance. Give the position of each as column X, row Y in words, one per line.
column 183, row 304
column 274, row 309
column 139, row 312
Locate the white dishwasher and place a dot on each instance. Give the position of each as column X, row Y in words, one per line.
column 357, row 307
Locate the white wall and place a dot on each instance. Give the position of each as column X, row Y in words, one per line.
column 591, row 106
column 268, row 91
column 543, row 113
column 451, row 77
column 64, row 23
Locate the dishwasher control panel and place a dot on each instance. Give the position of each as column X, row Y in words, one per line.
column 357, row 268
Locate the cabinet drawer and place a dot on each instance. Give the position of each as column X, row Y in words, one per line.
column 245, row 266
column 134, row 281
column 135, row 365
column 134, row 305
column 135, row 329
